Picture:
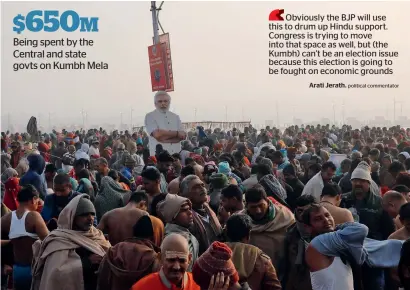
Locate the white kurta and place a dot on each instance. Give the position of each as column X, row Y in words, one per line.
column 164, row 121
column 314, row 186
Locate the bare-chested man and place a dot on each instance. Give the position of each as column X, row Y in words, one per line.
column 151, row 179
column 118, row 223
column 173, row 186
column 330, row 199
column 24, row 226
column 392, row 202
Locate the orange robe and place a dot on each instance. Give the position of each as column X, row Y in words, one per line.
column 158, row 281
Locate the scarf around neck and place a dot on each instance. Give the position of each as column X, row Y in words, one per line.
column 270, row 215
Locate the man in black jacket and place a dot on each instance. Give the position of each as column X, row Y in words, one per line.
column 365, row 203
column 293, row 181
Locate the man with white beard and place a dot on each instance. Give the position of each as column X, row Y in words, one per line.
column 163, row 126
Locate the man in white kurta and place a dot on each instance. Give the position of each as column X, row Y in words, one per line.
column 164, row 127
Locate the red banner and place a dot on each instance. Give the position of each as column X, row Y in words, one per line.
column 157, row 64
column 164, row 38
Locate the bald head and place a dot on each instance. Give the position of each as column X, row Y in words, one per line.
column 175, row 243
column 393, row 195
column 392, row 201
column 175, row 258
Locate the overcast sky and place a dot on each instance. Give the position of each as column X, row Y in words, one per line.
column 220, row 58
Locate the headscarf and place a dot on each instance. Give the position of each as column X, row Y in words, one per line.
column 198, row 151
column 107, row 153
column 218, row 147
column 273, row 187
column 22, row 167
column 7, row 174
column 55, row 260
column 10, row 196
column 153, row 159
column 85, row 186
column 258, row 151
column 83, row 152
column 132, row 147
column 111, row 196
column 44, row 151
column 405, row 154
column 184, row 155
column 169, row 208
column 5, row 161
column 224, row 168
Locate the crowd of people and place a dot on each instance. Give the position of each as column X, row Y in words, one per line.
column 266, row 209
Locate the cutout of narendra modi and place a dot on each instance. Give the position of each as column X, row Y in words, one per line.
column 164, row 127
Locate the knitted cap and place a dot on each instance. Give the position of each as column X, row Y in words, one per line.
column 217, row 258
column 218, row 180
column 84, row 206
column 362, row 171
column 170, row 207
column 129, row 160
column 223, row 167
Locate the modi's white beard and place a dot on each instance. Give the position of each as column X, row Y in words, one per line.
column 162, row 109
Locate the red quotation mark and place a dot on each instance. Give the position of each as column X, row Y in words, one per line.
column 276, row 15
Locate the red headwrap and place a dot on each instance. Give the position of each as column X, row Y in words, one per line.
column 10, row 196
column 44, row 149
column 218, row 147
column 153, row 159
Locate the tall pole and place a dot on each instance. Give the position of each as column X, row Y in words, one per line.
column 82, row 114
column 394, row 111
column 131, row 119
column 195, row 115
column 401, row 109
column 120, row 121
column 154, row 21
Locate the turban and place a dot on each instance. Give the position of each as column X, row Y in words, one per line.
column 218, row 147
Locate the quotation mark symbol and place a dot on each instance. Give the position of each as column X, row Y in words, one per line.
column 276, row 15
